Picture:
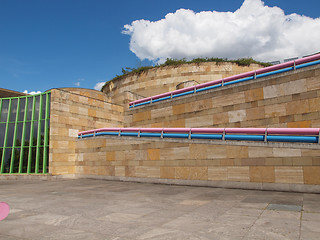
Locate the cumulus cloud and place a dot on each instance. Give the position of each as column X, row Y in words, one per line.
column 32, row 92
column 99, row 85
column 254, row 30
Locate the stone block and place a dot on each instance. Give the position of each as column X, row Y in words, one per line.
column 153, row 154
column 120, row 171
column 273, row 91
column 239, row 174
column 191, row 173
column 174, row 153
column 217, row 173
column 314, row 104
column 199, row 105
column 275, row 110
column 198, row 151
column 147, row 172
column 255, row 113
column 161, row 112
column 142, row 116
column 178, row 109
column 285, row 174
column 167, row 172
column 224, row 162
column 237, row 116
column 199, row 121
column 220, row 118
column 264, row 152
column 130, row 171
column 296, row 107
column 92, row 112
column 237, row 152
column 311, row 174
column 230, row 99
column 216, row 152
column 262, row 174
column 300, row 124
column 286, row 152
column 294, row 87
column 254, row 94
column 111, row 156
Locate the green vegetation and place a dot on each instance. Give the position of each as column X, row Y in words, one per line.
column 176, row 62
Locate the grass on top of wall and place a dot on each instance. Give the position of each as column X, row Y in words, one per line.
column 177, row 62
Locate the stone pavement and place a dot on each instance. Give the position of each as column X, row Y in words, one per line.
column 99, row 209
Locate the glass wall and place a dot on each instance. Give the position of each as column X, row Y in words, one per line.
column 24, row 134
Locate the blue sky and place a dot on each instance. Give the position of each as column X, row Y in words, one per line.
column 48, row 44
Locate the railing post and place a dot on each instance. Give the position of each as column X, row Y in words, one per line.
column 119, row 134
column 319, row 137
column 224, row 134
column 189, row 136
column 150, row 100
column 139, row 132
column 195, row 90
column 294, row 65
column 171, row 95
column 265, row 135
column 162, row 133
column 94, row 133
column 255, row 74
column 222, row 83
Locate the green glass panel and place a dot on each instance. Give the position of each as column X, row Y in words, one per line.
column 43, row 110
column 13, row 110
column 27, row 133
column 33, row 159
column 42, row 132
column 35, row 133
column 19, row 133
column 7, row 160
column 40, row 158
column 4, row 110
column 36, row 111
column 16, row 158
column 10, row 134
column 29, row 109
column 25, row 159
column 2, row 132
column 22, row 108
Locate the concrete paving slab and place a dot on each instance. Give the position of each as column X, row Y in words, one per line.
column 100, row 209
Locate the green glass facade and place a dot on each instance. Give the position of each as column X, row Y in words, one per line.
column 24, row 134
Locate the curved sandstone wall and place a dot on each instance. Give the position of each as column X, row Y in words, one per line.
column 164, row 79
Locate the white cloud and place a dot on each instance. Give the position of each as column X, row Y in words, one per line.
column 99, row 85
column 78, row 83
column 254, row 30
column 32, row 92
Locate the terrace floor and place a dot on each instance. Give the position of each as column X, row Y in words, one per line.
column 99, row 209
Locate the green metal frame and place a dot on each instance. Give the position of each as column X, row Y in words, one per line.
column 36, row 160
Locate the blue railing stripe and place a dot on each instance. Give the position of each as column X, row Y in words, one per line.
column 236, row 137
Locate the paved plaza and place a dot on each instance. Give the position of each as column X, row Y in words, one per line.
column 99, row 209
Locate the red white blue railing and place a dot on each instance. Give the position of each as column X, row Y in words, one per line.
column 302, row 135
column 263, row 72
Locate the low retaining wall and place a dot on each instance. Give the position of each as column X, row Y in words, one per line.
column 250, row 165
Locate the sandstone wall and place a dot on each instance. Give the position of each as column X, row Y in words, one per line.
column 281, row 165
column 164, row 79
column 289, row 99
column 74, row 110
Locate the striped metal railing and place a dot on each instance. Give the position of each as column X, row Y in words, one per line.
column 263, row 72
column 299, row 135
